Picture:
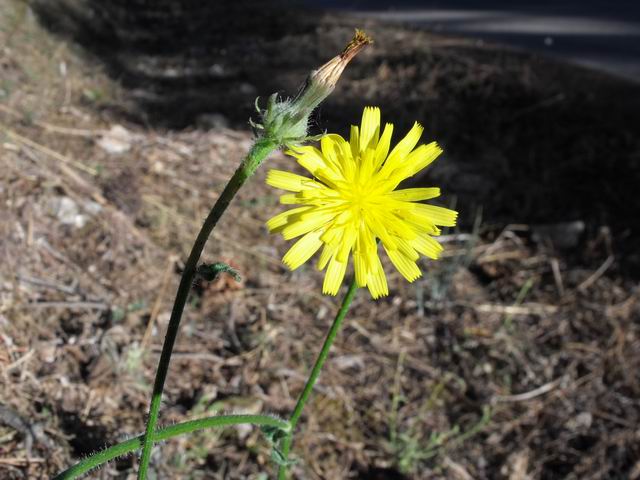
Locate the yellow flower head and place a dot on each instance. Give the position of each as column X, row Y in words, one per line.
column 352, row 202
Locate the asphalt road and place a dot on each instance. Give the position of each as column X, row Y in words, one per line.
column 599, row 34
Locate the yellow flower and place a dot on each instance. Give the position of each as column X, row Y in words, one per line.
column 352, row 202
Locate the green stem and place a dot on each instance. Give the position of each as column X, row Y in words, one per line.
column 260, row 150
column 164, row 434
column 313, row 377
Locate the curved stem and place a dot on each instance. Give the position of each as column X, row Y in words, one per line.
column 315, row 373
column 258, row 153
column 136, row 443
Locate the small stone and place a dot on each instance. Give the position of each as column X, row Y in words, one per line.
column 582, row 421
column 67, row 212
column 116, row 141
column 212, row 121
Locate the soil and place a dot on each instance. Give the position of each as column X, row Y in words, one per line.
column 515, row 357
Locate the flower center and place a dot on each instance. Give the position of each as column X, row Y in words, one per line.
column 358, row 198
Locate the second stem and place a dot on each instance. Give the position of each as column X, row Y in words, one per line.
column 315, row 373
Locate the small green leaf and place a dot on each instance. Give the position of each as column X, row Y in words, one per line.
column 278, row 458
column 273, row 434
column 210, row 272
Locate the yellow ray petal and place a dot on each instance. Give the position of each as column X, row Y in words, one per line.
column 366, row 166
column 277, row 222
column 329, row 177
column 401, row 150
column 335, row 229
column 396, row 225
column 331, row 152
column 370, row 128
column 440, row 216
column 333, row 277
column 325, row 256
column 416, row 161
column 378, row 227
column 364, row 252
column 367, row 240
column 321, row 192
column 320, row 197
column 347, row 241
column 302, row 250
column 360, row 267
column 354, row 141
column 405, row 266
column 377, row 280
column 415, row 194
column 382, row 150
column 291, row 199
column 313, row 160
column 332, row 234
column 311, row 220
column 427, row 246
column 407, row 250
column 289, row 181
column 308, row 156
column 420, row 221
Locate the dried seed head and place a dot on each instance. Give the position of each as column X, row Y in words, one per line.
column 328, row 74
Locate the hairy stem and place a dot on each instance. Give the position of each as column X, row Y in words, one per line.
column 313, row 377
column 136, row 443
column 260, row 150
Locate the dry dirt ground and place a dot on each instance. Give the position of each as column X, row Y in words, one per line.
column 515, row 357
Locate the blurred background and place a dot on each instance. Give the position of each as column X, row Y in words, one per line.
column 515, row 357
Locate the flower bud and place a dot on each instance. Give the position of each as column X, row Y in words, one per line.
column 287, row 121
